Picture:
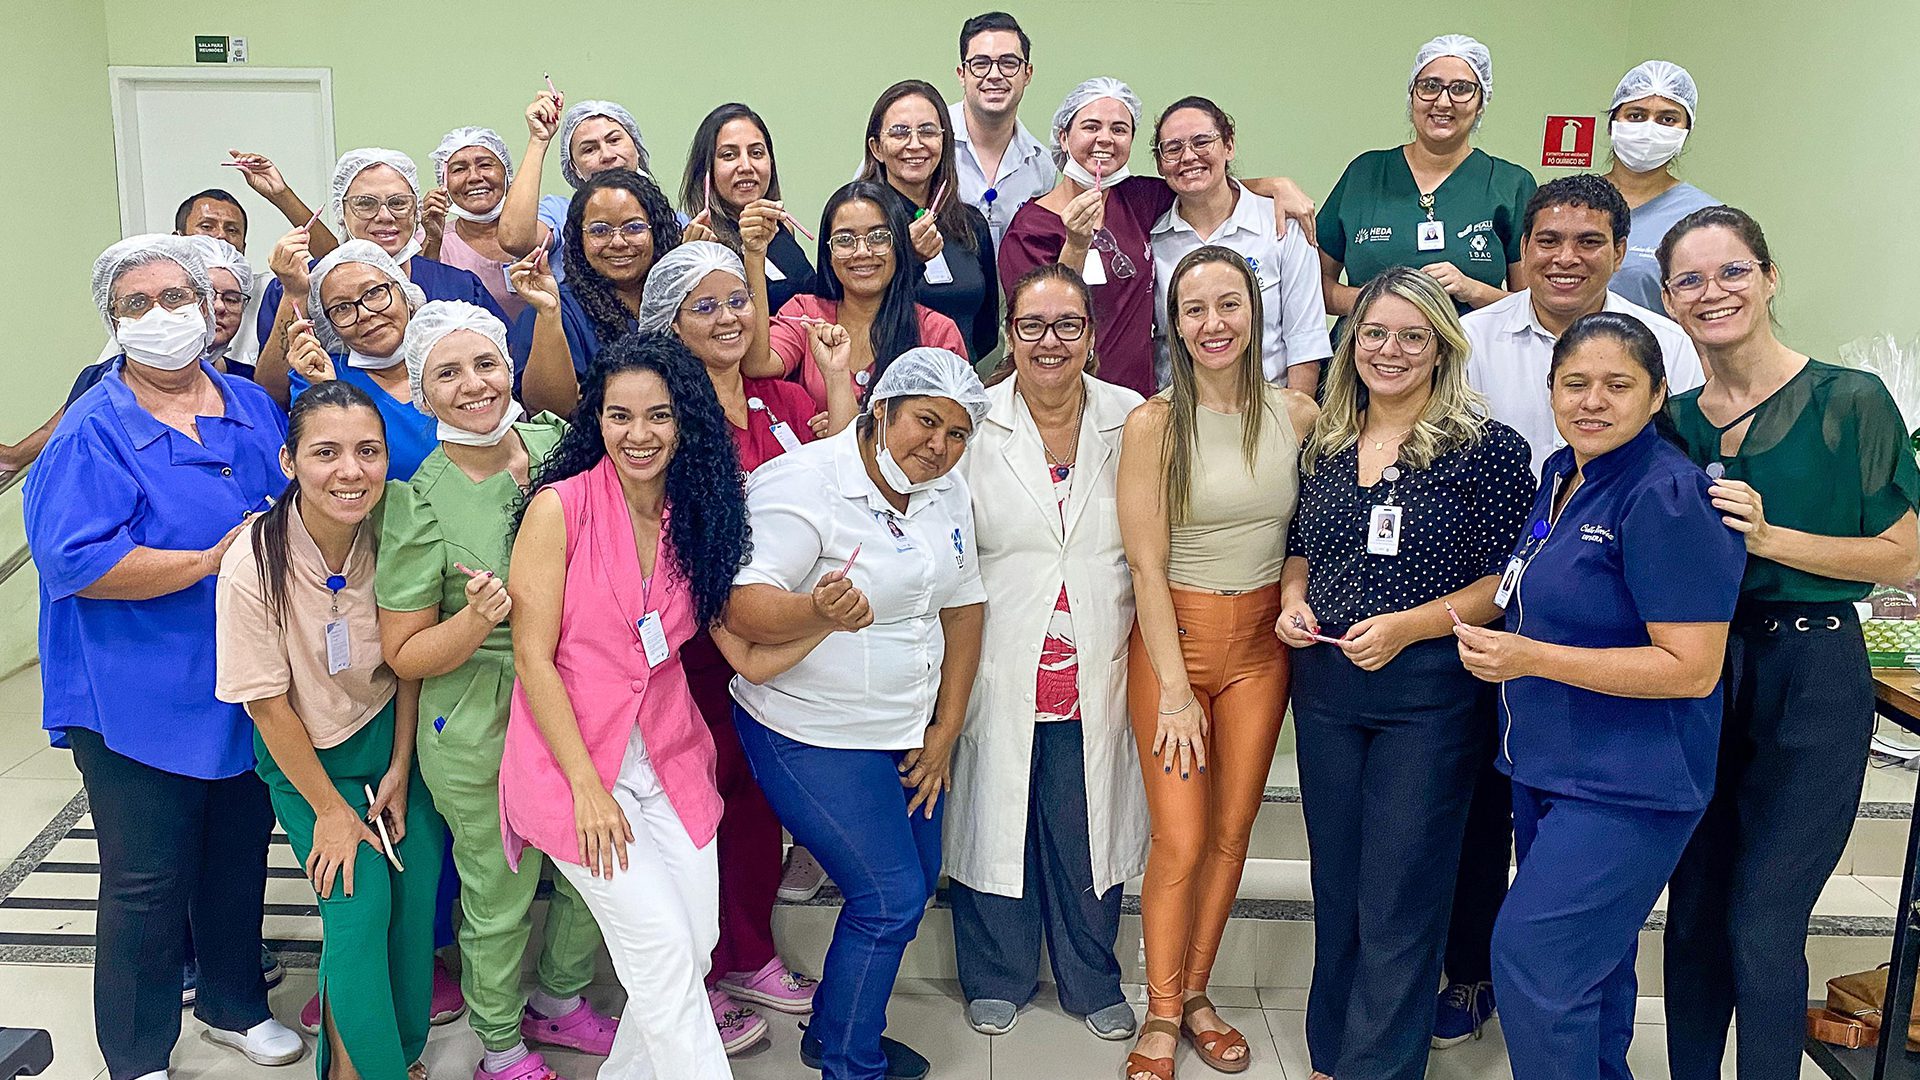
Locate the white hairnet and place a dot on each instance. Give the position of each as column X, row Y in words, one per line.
column 579, row 112
column 358, row 251
column 435, row 320
column 1083, row 95
column 459, row 139
column 674, row 277
column 1464, row 48
column 141, row 250
column 925, row 371
column 1662, row 77
column 219, row 254
column 354, row 162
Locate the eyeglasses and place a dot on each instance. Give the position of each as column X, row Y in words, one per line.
column 707, row 306
column 901, row 133
column 1460, row 90
column 844, row 244
column 347, row 312
column 1413, row 339
column 134, row 305
column 1010, row 65
column 232, row 297
column 1066, row 328
column 1105, row 244
column 367, row 207
column 1736, row 276
column 1173, row 148
column 601, row 232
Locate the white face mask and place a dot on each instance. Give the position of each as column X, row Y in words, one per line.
column 463, row 437
column 1644, row 146
column 454, row 211
column 375, row 363
column 1078, row 173
column 890, row 470
column 168, row 340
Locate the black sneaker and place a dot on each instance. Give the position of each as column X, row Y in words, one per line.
column 189, row 978
column 270, row 968
column 903, row 1062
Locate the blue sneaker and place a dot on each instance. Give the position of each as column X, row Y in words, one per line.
column 903, row 1063
column 1461, row 1012
column 270, row 970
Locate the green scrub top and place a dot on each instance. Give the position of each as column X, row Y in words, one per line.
column 432, row 521
column 1828, row 454
column 1371, row 220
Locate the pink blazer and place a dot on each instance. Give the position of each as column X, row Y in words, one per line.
column 612, row 688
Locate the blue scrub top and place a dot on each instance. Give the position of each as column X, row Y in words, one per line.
column 113, row 478
column 582, row 340
column 1638, row 542
column 436, row 279
column 411, row 434
column 1638, row 278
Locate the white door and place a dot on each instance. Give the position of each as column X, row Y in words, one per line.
column 173, row 126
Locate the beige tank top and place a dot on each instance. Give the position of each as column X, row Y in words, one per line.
column 1235, row 535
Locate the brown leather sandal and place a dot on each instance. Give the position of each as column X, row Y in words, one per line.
column 1213, row 1045
column 1158, row 1068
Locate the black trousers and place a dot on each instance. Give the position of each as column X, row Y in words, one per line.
column 1387, row 766
column 174, row 851
column 1793, row 751
column 1486, row 858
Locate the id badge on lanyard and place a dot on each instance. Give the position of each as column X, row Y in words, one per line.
column 1383, row 521
column 339, row 649
column 652, row 630
column 1429, row 235
column 777, row 427
column 1510, row 577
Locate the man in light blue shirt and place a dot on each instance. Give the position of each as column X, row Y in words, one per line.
column 1000, row 164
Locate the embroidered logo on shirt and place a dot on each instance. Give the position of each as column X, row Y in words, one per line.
column 1359, row 236
column 1477, row 249
column 959, row 550
column 1478, row 226
column 1596, row 534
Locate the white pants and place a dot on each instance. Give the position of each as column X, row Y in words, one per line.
column 661, row 919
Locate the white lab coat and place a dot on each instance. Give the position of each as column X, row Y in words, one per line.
column 1023, row 556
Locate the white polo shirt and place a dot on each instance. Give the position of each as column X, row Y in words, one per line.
column 1512, row 352
column 873, row 689
column 1026, row 172
column 1291, row 304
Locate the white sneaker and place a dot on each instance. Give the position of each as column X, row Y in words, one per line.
column 268, row 1042
column 801, row 880
column 152, row 1076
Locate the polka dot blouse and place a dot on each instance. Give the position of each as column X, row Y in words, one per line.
column 1458, row 522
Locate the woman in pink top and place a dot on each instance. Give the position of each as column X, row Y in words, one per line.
column 462, row 215
column 867, row 280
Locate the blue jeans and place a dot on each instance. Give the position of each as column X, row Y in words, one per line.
column 849, row 809
column 1564, row 944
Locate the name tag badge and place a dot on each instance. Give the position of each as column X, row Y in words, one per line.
column 339, row 655
column 784, row 435
column 653, row 638
column 1383, row 531
column 938, row 273
column 1095, row 270
column 506, row 278
column 1430, row 236
column 774, row 273
column 1508, row 580
column 901, row 541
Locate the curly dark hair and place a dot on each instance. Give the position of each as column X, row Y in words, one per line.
column 706, row 492
column 611, row 319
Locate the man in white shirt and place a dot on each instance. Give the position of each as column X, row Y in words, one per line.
column 1000, row 164
column 1573, row 238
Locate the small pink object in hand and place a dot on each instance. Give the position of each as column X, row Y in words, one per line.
column 795, row 222
column 1452, row 613
column 1301, row 624
column 471, row 572
column 848, row 569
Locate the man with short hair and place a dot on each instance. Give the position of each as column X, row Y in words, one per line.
column 999, row 162
column 1573, row 238
column 214, row 213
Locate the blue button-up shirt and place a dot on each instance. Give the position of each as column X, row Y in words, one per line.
column 1638, row 542
column 113, row 478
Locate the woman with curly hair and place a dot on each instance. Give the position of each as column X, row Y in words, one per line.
column 627, row 547
column 618, row 225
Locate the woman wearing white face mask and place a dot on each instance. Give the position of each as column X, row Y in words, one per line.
column 1651, row 115
column 376, row 196
column 473, row 169
column 138, row 494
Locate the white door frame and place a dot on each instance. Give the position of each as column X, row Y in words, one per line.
column 123, row 81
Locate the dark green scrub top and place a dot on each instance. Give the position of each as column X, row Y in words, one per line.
column 1370, row 220
column 1828, row 454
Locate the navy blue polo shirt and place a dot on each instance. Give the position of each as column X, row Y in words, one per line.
column 1638, row 542
column 113, row 478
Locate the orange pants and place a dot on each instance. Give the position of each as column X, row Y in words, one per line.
column 1200, row 824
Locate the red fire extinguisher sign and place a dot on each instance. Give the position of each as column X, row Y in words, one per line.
column 1569, row 142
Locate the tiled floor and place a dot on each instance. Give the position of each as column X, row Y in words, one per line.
column 36, row 782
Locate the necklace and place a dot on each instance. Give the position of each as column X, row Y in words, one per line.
column 1381, row 444
column 1079, row 413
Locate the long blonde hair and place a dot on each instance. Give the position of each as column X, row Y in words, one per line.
column 1455, row 414
column 1183, row 395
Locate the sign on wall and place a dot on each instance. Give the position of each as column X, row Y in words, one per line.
column 1569, row 142
column 219, row 49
